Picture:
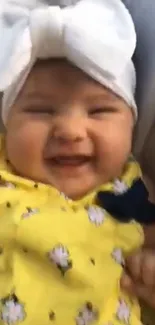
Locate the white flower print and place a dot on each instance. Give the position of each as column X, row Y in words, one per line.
column 87, row 315
column 123, row 312
column 7, row 184
column 117, row 255
column 65, row 196
column 60, row 256
column 12, row 311
column 120, row 187
column 30, row 212
column 96, row 215
column 132, row 221
column 10, row 185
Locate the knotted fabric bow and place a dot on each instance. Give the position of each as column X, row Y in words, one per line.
column 127, row 198
column 97, row 36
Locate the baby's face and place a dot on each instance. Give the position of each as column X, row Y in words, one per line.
column 67, row 130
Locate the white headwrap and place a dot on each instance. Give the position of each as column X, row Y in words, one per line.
column 97, row 36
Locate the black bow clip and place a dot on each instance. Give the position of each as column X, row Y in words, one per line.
column 133, row 204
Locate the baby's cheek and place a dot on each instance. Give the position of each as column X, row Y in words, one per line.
column 25, row 145
column 113, row 151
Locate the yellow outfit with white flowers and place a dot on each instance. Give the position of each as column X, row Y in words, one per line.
column 61, row 260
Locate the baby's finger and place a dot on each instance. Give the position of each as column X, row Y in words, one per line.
column 127, row 284
column 148, row 268
column 142, row 292
column 134, row 265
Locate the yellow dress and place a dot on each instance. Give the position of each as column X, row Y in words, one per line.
column 61, row 260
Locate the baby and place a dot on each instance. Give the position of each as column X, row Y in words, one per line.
column 71, row 193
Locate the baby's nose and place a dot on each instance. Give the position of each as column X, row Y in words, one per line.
column 70, row 129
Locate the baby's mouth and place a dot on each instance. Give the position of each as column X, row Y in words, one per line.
column 70, row 161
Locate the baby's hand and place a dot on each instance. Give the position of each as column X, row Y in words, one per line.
column 139, row 277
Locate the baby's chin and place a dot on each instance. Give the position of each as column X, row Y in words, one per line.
column 76, row 189
column 75, row 192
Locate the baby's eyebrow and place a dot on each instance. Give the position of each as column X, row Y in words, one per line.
column 102, row 97
column 37, row 97
column 33, row 101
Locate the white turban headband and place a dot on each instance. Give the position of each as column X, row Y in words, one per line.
column 97, row 36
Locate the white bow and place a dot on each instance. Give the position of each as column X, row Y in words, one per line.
column 98, row 36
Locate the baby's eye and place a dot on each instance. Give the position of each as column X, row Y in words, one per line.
column 39, row 111
column 102, row 110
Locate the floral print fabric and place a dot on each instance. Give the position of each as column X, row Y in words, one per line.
column 61, row 261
